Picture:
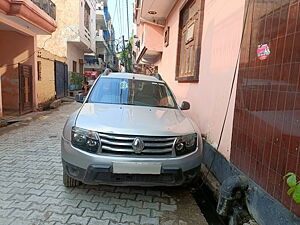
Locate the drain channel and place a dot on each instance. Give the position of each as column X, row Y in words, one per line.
column 207, row 204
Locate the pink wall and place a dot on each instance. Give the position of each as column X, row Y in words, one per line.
column 222, row 30
column 15, row 47
column 153, row 37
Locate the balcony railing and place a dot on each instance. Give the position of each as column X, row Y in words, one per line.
column 48, row 6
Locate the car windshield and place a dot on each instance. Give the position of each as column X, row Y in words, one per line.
column 132, row 92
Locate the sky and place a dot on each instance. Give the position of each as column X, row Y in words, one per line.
column 118, row 13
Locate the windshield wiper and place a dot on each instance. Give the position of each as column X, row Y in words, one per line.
column 162, row 106
column 127, row 104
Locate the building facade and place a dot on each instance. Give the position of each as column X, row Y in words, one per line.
column 63, row 52
column 237, row 64
column 105, row 39
column 20, row 23
column 104, row 56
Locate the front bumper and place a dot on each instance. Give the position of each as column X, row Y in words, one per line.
column 102, row 174
column 98, row 169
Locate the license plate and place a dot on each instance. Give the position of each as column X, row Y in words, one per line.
column 136, row 168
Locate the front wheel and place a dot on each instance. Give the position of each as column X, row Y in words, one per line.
column 69, row 181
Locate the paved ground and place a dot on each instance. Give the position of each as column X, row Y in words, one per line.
column 31, row 189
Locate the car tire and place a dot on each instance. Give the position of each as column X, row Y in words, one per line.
column 69, row 181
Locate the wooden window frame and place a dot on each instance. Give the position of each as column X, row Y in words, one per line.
column 81, row 66
column 74, row 66
column 197, row 48
column 39, row 70
column 167, row 36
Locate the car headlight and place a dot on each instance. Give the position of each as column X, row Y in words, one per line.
column 186, row 144
column 85, row 139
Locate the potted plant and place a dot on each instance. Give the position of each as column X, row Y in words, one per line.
column 76, row 81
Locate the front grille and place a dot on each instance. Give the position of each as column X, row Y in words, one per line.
column 122, row 145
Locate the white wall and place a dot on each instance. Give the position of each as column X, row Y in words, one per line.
column 74, row 54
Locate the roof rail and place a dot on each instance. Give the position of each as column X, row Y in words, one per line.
column 156, row 75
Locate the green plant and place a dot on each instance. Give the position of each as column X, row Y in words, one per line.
column 291, row 180
column 126, row 56
column 76, row 78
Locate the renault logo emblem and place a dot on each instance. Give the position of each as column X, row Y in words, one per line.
column 138, row 145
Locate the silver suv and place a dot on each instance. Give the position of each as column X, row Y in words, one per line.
column 130, row 131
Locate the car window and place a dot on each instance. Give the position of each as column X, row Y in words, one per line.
column 132, row 92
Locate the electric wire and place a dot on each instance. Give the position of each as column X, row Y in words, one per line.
column 229, row 99
column 124, row 17
column 120, row 17
column 115, row 12
column 127, row 20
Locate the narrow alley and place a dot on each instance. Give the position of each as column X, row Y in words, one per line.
column 189, row 112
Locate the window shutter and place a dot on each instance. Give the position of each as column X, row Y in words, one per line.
column 189, row 41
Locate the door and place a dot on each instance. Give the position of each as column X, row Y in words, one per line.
column 66, row 79
column 25, row 88
column 61, row 79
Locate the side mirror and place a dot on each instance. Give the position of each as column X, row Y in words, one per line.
column 185, row 105
column 79, row 98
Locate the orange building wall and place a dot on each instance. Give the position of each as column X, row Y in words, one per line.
column 15, row 47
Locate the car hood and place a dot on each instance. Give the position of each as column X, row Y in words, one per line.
column 133, row 120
